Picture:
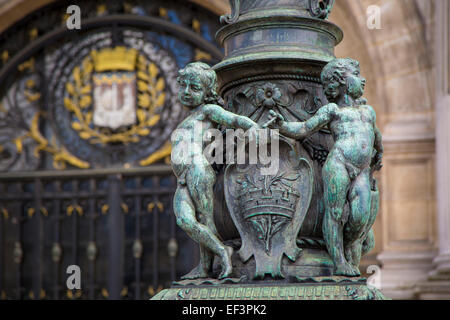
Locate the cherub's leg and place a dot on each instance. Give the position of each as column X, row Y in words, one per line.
column 184, row 210
column 199, row 179
column 336, row 184
column 185, row 213
column 206, row 255
column 200, row 182
column 206, row 258
column 358, row 227
column 369, row 241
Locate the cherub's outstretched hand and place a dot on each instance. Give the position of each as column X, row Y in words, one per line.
column 274, row 117
column 253, row 134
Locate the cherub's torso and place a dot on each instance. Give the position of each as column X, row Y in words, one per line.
column 353, row 133
column 196, row 118
column 188, row 143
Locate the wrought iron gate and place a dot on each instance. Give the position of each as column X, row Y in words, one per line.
column 117, row 226
column 79, row 191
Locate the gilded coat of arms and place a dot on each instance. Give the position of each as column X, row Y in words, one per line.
column 115, row 88
column 114, row 100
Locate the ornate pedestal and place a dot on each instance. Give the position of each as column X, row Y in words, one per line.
column 275, row 51
column 329, row 289
column 274, row 55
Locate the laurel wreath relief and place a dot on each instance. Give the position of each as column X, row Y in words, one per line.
column 150, row 96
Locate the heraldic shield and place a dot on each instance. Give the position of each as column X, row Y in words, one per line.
column 268, row 210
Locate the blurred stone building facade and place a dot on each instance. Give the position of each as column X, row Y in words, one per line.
column 405, row 62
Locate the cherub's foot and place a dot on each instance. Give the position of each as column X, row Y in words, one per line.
column 346, row 269
column 356, row 270
column 196, row 273
column 227, row 267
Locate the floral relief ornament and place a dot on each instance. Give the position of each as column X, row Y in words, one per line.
column 268, row 96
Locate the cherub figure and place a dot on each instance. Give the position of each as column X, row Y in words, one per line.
column 193, row 200
column 348, row 171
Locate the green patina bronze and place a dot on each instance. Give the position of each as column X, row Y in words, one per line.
column 312, row 291
column 299, row 232
column 193, row 200
column 350, row 191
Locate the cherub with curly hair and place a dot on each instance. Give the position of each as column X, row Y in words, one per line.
column 193, row 200
column 348, row 171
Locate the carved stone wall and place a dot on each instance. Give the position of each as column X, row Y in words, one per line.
column 399, row 59
column 437, row 285
column 401, row 54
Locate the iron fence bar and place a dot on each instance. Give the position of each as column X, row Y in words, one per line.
column 137, row 211
column 85, row 173
column 60, row 200
column 146, row 191
column 74, row 217
column 61, row 196
column 86, row 195
column 116, row 234
column 2, row 217
column 56, row 256
column 92, row 217
column 155, row 238
column 39, row 210
column 38, row 240
column 115, row 36
column 18, row 213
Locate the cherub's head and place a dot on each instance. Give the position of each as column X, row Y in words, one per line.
column 342, row 77
column 198, row 85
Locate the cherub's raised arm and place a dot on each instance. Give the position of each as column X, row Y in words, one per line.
column 218, row 114
column 299, row 130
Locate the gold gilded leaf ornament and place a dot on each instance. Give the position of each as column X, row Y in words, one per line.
column 70, row 88
column 160, row 85
column 19, row 145
column 142, row 85
column 85, row 101
column 144, row 100
column 76, row 126
column 85, row 135
column 150, row 95
column 86, row 89
column 77, row 76
column 88, row 117
column 32, row 97
column 141, row 115
column 153, row 70
column 69, row 104
column 144, row 132
column 60, row 155
column 153, row 120
column 163, row 152
column 142, row 75
column 160, row 100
